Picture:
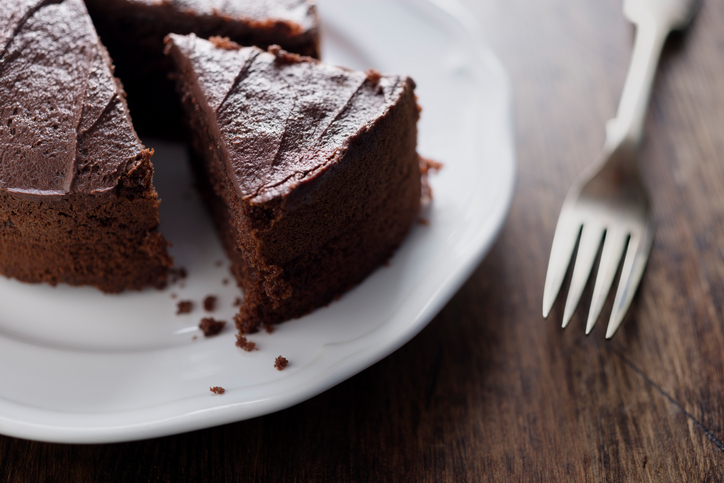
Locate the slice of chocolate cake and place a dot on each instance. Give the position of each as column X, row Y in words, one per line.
column 133, row 31
column 76, row 200
column 310, row 170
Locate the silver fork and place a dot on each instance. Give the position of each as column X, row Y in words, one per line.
column 608, row 203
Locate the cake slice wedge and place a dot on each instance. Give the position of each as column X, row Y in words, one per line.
column 76, row 200
column 310, row 170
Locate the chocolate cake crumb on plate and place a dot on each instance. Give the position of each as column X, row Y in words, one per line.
column 245, row 344
column 211, row 326
column 280, row 363
column 184, row 307
column 210, row 303
column 217, row 390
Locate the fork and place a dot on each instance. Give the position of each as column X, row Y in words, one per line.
column 608, row 204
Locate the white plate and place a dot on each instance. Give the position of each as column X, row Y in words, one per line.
column 78, row 366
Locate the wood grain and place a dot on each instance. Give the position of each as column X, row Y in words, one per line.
column 489, row 390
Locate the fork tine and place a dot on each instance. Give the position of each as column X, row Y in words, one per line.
column 564, row 242
column 637, row 254
column 587, row 250
column 613, row 247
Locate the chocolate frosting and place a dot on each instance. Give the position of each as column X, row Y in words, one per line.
column 299, row 12
column 64, row 126
column 281, row 118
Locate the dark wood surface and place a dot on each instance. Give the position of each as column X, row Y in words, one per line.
column 489, row 390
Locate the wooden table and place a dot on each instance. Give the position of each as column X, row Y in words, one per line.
column 489, row 390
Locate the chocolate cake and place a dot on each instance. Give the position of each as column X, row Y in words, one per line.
column 133, row 31
column 310, row 170
column 76, row 200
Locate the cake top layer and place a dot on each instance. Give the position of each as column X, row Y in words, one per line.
column 297, row 13
column 280, row 118
column 64, row 126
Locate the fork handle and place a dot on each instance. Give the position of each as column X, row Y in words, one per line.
column 627, row 126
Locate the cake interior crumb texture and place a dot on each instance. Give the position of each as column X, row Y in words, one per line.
column 310, row 170
column 133, row 31
column 76, row 200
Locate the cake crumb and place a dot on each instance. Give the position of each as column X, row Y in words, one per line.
column 218, row 263
column 280, row 363
column 211, row 326
column 210, row 303
column 287, row 57
column 174, row 296
column 224, row 43
column 269, row 328
column 373, row 76
column 195, row 337
column 245, row 344
column 423, row 221
column 225, row 281
column 427, row 166
column 237, row 301
column 217, row 390
column 184, row 307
